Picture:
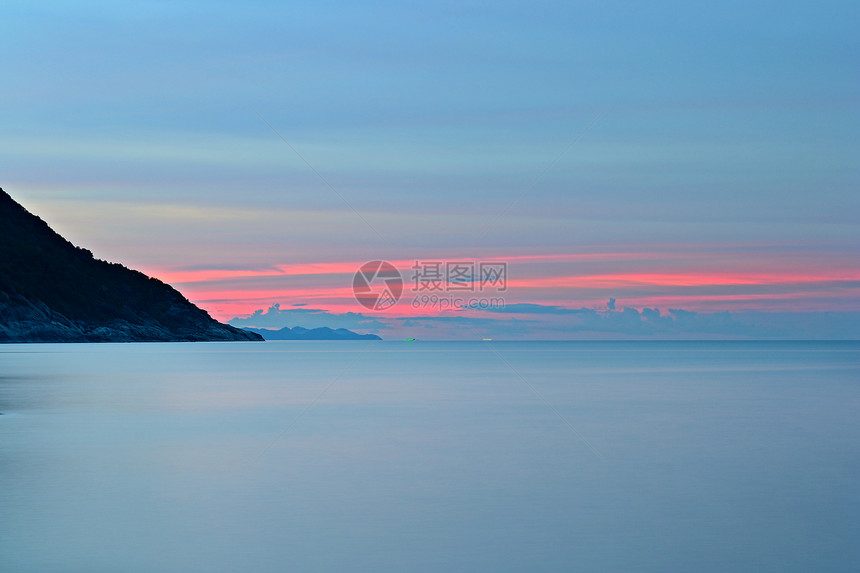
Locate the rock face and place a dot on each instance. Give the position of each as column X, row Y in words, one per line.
column 52, row 291
column 322, row 333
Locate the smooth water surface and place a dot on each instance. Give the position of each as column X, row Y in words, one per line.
column 423, row 456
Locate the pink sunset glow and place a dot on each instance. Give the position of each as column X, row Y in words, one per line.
column 705, row 282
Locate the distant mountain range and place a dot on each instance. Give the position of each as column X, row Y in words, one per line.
column 323, row 333
column 52, row 291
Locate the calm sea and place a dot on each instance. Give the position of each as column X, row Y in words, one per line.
column 430, row 456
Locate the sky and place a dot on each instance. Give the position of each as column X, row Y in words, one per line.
column 620, row 159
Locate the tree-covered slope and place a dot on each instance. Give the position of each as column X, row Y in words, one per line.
column 52, row 291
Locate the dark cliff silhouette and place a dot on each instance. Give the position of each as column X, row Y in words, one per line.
column 52, row 291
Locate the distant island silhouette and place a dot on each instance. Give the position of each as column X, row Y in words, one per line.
column 322, row 333
column 53, row 291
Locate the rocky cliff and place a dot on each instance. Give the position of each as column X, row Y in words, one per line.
column 52, row 291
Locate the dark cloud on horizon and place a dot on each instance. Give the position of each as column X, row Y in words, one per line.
column 527, row 308
column 277, row 317
column 681, row 323
column 554, row 322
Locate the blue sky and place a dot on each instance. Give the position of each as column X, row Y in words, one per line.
column 456, row 130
